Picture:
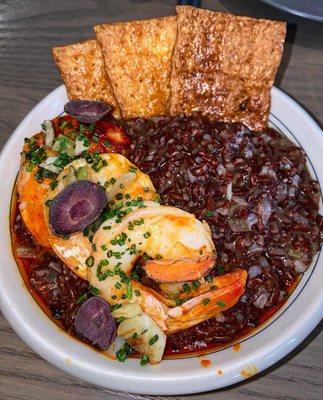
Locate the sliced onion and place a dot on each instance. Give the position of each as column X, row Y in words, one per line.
column 282, row 295
column 229, row 191
column 300, row 267
column 263, row 262
column 220, row 169
column 292, row 191
column 281, row 192
column 254, row 271
column 238, row 225
column 265, row 170
column 261, row 301
column 220, row 317
column 265, row 210
column 296, row 179
column 81, row 145
column 240, row 317
column 49, row 165
column 26, row 252
column 254, row 248
column 191, row 177
column 251, row 220
column 48, row 129
column 239, row 200
column 243, row 298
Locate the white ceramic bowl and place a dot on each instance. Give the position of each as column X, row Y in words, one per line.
column 272, row 341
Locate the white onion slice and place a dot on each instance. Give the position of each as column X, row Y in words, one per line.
column 48, row 130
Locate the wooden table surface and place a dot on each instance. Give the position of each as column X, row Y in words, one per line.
column 27, row 73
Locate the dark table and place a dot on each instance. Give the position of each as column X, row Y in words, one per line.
column 27, row 73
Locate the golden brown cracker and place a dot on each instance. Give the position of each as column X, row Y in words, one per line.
column 224, row 66
column 81, row 66
column 138, row 60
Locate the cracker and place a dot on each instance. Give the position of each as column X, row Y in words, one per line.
column 138, row 60
column 224, row 66
column 82, row 69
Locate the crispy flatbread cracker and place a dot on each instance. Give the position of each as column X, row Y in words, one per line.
column 82, row 69
column 138, row 56
column 224, row 65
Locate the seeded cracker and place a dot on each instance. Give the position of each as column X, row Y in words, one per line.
column 81, row 66
column 138, row 60
column 224, row 66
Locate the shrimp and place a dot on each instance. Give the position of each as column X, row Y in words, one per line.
column 182, row 251
column 120, row 178
column 157, row 231
column 32, row 194
column 146, row 323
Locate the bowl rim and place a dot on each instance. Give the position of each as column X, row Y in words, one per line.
column 42, row 335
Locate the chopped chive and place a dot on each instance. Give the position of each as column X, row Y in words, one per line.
column 196, row 284
column 221, row 303
column 137, row 292
column 125, row 352
column 104, row 276
column 146, row 189
column 89, row 261
column 146, row 235
column 132, row 169
column 94, row 290
column 209, row 278
column 53, row 185
column 120, row 319
column 144, row 360
column 98, row 270
column 209, row 214
column 48, row 203
column 113, row 297
column 134, row 275
column 104, row 262
column 115, row 307
column 82, row 298
column 129, row 290
column 117, row 285
column 205, row 301
column 153, row 340
column 186, row 288
column 158, row 256
column 220, row 269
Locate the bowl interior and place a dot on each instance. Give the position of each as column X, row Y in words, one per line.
column 264, row 346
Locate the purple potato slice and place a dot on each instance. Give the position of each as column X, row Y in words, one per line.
column 87, row 111
column 76, row 207
column 95, row 323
